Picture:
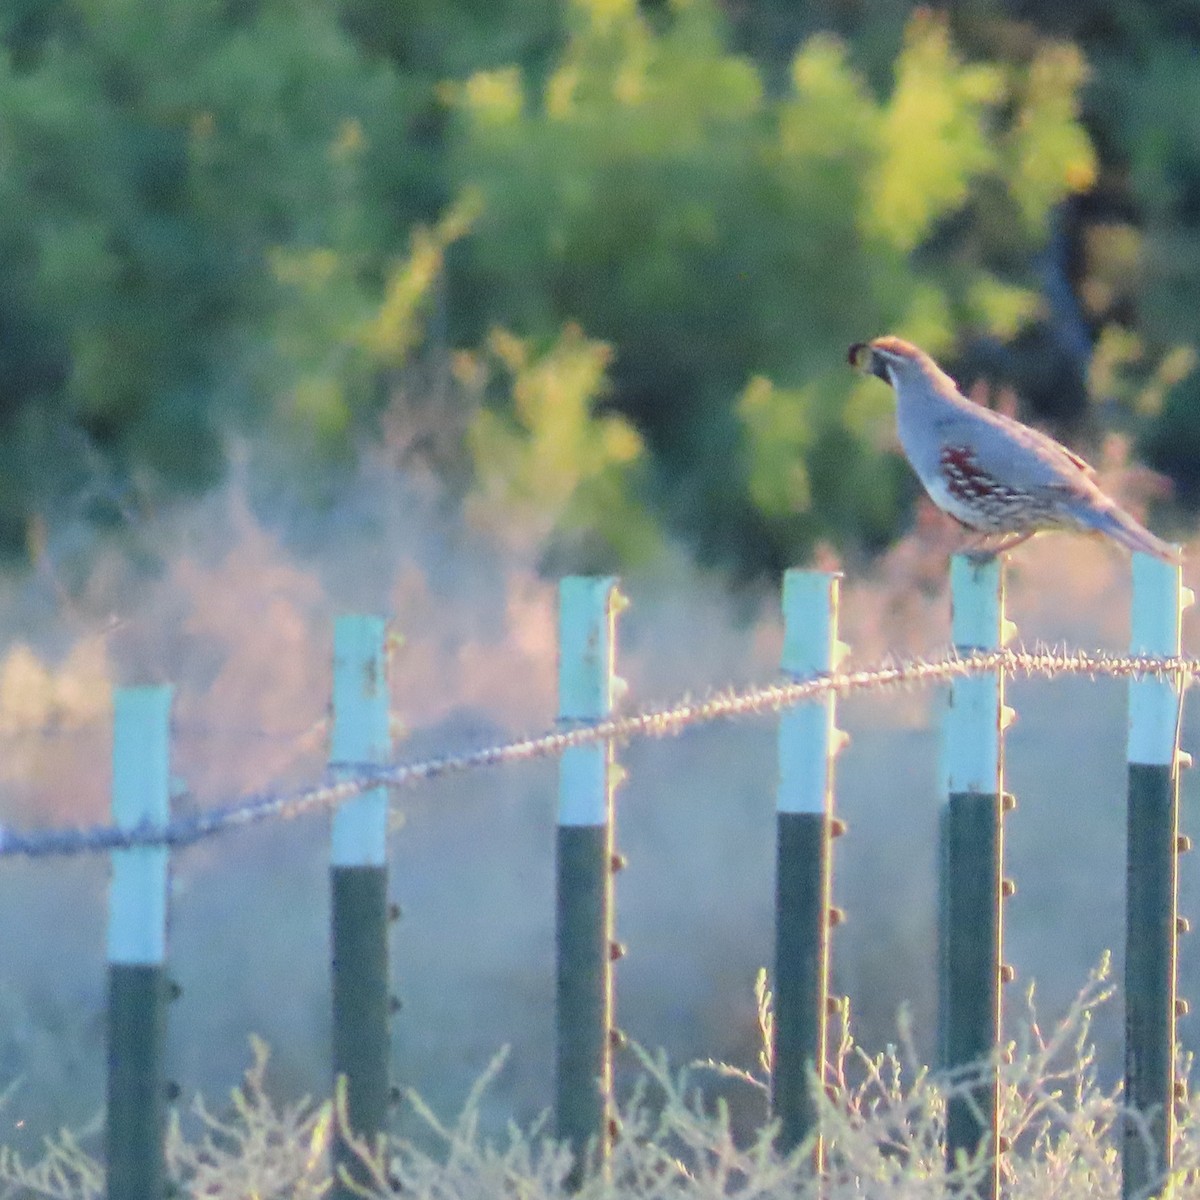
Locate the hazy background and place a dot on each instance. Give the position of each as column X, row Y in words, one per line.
column 411, row 308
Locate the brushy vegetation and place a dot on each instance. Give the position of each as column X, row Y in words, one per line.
column 882, row 1114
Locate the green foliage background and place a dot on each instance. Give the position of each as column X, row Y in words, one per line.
column 611, row 253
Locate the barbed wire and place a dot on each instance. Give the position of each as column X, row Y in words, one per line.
column 352, row 779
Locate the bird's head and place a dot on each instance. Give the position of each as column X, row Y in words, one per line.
column 889, row 358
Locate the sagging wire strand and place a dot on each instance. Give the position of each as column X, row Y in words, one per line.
column 353, row 779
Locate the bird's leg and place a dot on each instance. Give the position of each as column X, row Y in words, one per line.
column 981, row 548
column 1012, row 540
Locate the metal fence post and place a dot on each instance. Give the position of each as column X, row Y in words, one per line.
column 1151, row 912
column 359, row 881
column 808, row 742
column 971, row 868
column 585, row 947
column 137, row 944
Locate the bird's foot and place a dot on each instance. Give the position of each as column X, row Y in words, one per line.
column 982, row 548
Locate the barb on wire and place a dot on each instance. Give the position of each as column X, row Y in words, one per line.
column 657, row 722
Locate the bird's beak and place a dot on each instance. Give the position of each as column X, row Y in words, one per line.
column 862, row 357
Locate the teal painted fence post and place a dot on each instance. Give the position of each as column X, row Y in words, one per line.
column 137, row 945
column 585, row 862
column 971, row 885
column 805, row 825
column 359, row 883
column 1152, row 880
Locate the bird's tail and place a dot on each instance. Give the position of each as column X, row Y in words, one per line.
column 1116, row 523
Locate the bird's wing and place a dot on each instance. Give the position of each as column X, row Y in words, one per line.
column 1024, row 458
column 1055, row 448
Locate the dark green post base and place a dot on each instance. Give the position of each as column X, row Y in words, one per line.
column 969, row 965
column 361, row 1008
column 802, row 899
column 1150, row 958
column 583, row 991
column 137, row 1027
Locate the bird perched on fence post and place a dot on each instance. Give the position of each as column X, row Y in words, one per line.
column 999, row 478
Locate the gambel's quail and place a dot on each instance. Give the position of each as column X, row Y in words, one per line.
column 1000, row 479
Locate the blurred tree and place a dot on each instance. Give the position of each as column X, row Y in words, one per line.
column 548, row 468
column 714, row 234
column 155, row 152
column 1123, row 256
column 440, row 39
column 260, row 214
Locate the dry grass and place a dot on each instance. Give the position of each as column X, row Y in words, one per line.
column 882, row 1114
